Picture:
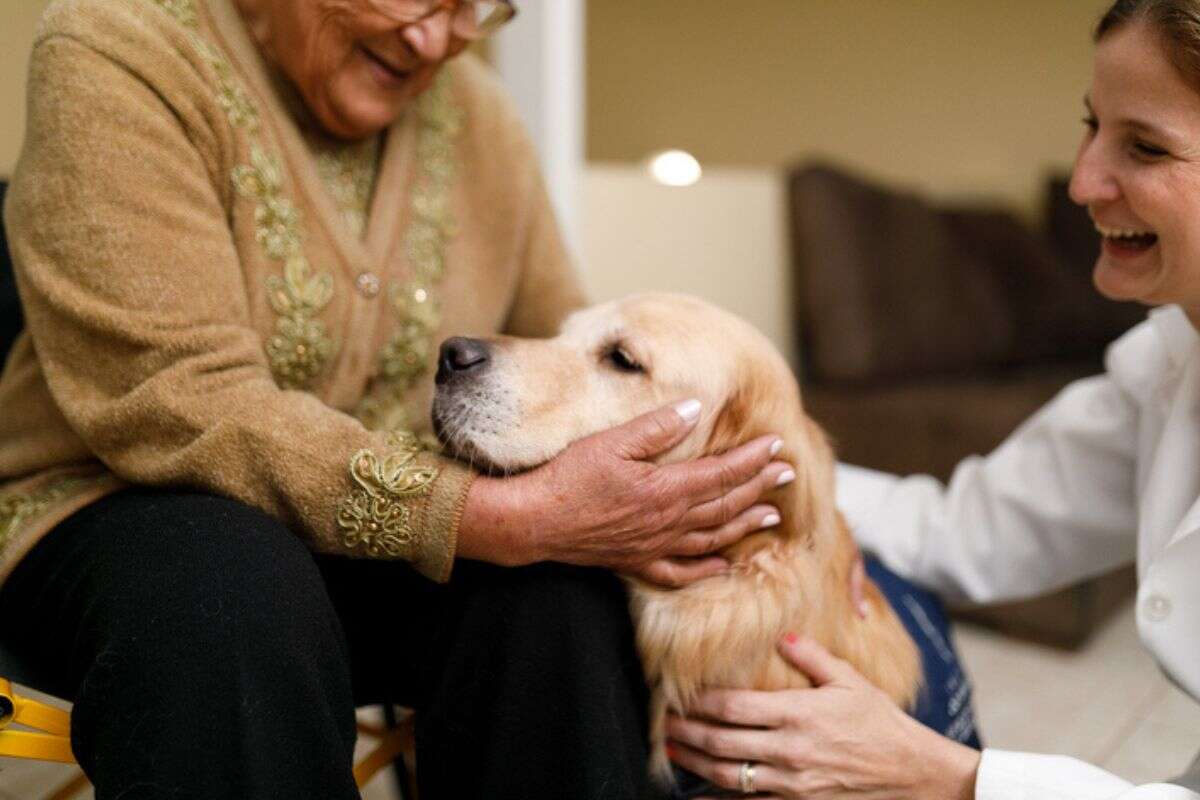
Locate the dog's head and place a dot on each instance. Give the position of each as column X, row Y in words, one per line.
column 507, row 404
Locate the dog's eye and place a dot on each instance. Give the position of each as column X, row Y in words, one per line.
column 622, row 360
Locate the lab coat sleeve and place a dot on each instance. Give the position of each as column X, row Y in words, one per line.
column 1053, row 504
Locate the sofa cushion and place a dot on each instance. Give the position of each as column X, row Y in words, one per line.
column 929, row 425
column 890, row 286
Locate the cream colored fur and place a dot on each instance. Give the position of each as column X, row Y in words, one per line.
column 540, row 395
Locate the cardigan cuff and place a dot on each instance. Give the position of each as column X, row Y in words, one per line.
column 404, row 504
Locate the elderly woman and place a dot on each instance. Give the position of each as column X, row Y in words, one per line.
column 239, row 229
column 1108, row 472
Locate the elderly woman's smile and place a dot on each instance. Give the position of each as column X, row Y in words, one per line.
column 391, row 67
column 355, row 63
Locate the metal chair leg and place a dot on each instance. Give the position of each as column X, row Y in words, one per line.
column 405, row 782
column 392, row 744
column 50, row 739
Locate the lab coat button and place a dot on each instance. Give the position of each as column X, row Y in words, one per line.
column 1156, row 607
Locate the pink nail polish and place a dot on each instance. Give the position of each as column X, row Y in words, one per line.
column 689, row 410
column 791, row 638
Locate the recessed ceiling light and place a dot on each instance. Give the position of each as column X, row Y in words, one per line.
column 674, row 168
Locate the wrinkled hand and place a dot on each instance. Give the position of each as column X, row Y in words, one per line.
column 603, row 502
column 842, row 739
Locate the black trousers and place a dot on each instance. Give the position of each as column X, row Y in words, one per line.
column 210, row 654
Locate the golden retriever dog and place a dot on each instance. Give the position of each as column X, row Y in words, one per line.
column 613, row 362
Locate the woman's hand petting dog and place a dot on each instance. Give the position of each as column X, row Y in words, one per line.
column 841, row 739
column 603, row 502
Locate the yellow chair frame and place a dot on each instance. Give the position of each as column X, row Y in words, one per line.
column 50, row 739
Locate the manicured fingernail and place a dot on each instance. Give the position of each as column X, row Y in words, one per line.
column 776, row 446
column 689, row 410
column 791, row 638
column 769, row 520
column 787, row 476
column 863, row 608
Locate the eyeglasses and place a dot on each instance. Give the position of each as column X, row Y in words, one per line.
column 470, row 20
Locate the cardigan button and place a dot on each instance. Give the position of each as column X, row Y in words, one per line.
column 368, row 284
column 1156, row 607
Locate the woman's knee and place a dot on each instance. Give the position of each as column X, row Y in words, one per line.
column 199, row 569
column 556, row 602
column 173, row 541
column 193, row 599
column 206, row 628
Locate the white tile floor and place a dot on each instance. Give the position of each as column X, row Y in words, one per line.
column 1106, row 703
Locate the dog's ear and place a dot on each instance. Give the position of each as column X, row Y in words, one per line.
column 732, row 425
column 759, row 407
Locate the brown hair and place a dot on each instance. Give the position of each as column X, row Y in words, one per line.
column 1176, row 21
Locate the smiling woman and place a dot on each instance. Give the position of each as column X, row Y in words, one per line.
column 1138, row 168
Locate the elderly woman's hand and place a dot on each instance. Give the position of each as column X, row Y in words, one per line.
column 843, row 739
column 603, row 502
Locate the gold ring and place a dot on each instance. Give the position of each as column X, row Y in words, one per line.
column 746, row 778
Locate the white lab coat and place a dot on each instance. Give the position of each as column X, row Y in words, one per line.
column 1106, row 473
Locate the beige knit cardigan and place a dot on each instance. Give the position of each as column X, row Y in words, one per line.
column 199, row 316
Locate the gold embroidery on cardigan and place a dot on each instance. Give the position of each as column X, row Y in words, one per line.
column 348, row 172
column 276, row 220
column 376, row 518
column 230, row 96
column 300, row 346
column 183, row 11
column 17, row 509
column 407, row 355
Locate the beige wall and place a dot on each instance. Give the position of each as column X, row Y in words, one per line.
column 17, row 21
column 963, row 98
column 960, row 97
column 723, row 239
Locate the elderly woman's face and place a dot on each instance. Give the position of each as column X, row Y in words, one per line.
column 356, row 63
column 1138, row 172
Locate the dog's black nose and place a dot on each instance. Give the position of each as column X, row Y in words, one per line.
column 460, row 355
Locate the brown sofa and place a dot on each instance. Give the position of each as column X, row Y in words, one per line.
column 927, row 333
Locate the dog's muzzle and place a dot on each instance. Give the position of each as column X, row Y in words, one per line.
column 462, row 357
column 468, row 407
